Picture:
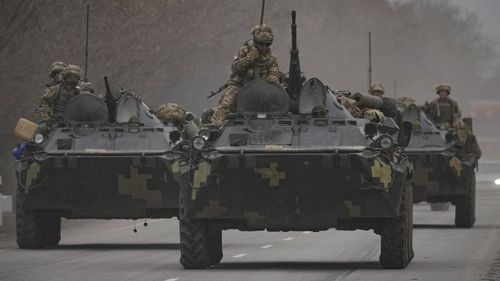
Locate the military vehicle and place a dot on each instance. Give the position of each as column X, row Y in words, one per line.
column 294, row 160
column 444, row 167
column 110, row 160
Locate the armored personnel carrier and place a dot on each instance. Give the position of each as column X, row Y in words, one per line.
column 286, row 162
column 109, row 161
column 443, row 166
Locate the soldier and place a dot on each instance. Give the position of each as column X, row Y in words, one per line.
column 377, row 90
column 171, row 113
column 374, row 115
column 444, row 111
column 54, row 74
column 254, row 60
column 53, row 103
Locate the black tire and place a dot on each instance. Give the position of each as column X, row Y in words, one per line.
column 214, row 242
column 465, row 206
column 440, row 207
column 397, row 235
column 52, row 228
column 36, row 229
column 195, row 250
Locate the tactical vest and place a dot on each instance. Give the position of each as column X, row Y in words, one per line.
column 258, row 69
column 445, row 112
column 62, row 99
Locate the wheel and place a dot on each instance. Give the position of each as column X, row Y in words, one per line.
column 440, row 207
column 52, row 228
column 214, row 243
column 36, row 229
column 397, row 235
column 465, row 206
column 195, row 250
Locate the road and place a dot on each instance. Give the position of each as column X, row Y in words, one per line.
column 110, row 250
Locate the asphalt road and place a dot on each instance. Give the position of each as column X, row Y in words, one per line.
column 110, row 250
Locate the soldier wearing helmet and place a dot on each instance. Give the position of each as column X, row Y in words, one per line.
column 252, row 61
column 444, row 111
column 55, row 99
column 54, row 73
column 377, row 90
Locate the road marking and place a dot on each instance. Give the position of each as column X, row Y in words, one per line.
column 288, row 239
column 172, row 279
column 266, row 246
column 307, row 232
column 240, row 255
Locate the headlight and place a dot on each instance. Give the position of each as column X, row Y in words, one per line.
column 38, row 138
column 204, row 133
column 385, row 142
column 198, row 143
column 497, row 182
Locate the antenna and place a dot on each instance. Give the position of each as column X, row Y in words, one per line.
column 395, row 88
column 86, row 43
column 262, row 12
column 369, row 60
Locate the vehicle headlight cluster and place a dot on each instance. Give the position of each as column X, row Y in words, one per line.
column 497, row 182
column 198, row 143
column 38, row 138
column 385, row 142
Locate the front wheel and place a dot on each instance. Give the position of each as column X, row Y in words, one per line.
column 36, row 229
column 397, row 235
column 465, row 206
column 201, row 245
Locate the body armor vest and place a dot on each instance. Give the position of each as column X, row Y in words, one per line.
column 61, row 101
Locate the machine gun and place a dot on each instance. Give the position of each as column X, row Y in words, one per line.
column 295, row 77
column 221, row 88
column 110, row 101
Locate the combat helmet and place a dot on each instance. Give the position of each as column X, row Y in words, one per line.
column 377, row 88
column 72, row 69
column 443, row 87
column 56, row 67
column 262, row 34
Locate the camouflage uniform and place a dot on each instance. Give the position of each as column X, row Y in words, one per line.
column 444, row 112
column 55, row 73
column 248, row 64
column 374, row 115
column 53, row 103
column 171, row 113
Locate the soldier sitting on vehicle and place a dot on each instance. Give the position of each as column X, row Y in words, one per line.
column 55, row 99
column 374, row 115
column 254, row 60
column 55, row 73
column 444, row 111
column 171, row 113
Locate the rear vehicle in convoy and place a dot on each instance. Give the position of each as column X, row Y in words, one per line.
column 285, row 163
column 444, row 168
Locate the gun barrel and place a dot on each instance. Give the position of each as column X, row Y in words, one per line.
column 294, row 31
column 369, row 101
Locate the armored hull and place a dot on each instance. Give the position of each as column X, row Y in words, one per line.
column 92, row 167
column 293, row 189
column 271, row 168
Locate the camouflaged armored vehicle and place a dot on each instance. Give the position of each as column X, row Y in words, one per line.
column 444, row 167
column 110, row 161
column 282, row 163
